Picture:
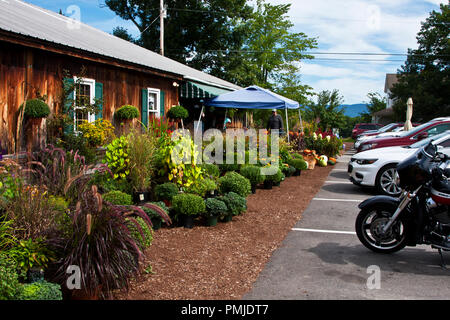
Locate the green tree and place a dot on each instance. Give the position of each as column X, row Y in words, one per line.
column 376, row 103
column 327, row 110
column 198, row 33
column 425, row 76
column 122, row 33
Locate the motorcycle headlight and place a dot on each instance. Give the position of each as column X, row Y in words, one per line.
column 365, row 161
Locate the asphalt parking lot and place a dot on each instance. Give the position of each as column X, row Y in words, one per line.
column 322, row 258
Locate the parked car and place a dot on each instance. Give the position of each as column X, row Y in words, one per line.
column 406, row 138
column 361, row 127
column 389, row 130
column 376, row 168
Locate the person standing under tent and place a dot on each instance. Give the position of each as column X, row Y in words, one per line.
column 275, row 122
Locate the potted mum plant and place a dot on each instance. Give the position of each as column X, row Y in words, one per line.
column 165, row 192
column 127, row 116
column 178, row 113
column 187, row 206
column 35, row 110
column 215, row 208
column 253, row 174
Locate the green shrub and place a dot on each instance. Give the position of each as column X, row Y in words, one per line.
column 177, row 112
column 41, row 290
column 276, row 178
column 188, row 204
column 227, row 167
column 297, row 156
column 201, row 187
column 299, row 164
column 10, row 286
column 127, row 112
column 117, row 158
column 210, row 185
column 166, row 191
column 234, row 182
column 210, row 170
column 118, row 198
column 253, row 174
column 36, row 108
column 143, row 234
column 215, row 208
column 234, row 202
column 30, row 253
column 152, row 214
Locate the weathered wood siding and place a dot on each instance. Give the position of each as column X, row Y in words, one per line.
column 28, row 73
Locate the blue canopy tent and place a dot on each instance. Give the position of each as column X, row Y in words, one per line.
column 255, row 97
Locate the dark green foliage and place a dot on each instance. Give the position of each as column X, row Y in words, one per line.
column 253, row 174
column 234, row 202
column 166, row 191
column 41, row 290
column 29, row 254
column 425, row 76
column 10, row 286
column 276, row 178
column 151, row 213
column 210, row 170
column 118, row 197
column 188, row 204
column 127, row 112
column 215, row 207
column 141, row 232
column 234, row 182
column 79, row 145
column 177, row 112
column 299, row 164
column 36, row 108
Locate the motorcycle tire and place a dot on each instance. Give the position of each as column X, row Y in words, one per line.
column 369, row 223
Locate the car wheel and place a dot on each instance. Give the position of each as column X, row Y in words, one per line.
column 386, row 181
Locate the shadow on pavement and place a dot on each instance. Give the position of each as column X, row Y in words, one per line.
column 409, row 260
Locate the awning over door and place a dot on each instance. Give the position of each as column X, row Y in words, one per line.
column 196, row 90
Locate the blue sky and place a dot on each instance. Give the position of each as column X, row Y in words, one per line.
column 345, row 26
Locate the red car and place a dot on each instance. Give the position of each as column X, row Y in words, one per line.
column 361, row 127
column 406, row 138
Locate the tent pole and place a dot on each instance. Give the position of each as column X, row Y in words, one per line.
column 199, row 119
column 287, row 124
column 300, row 116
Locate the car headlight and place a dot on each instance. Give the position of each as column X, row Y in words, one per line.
column 365, row 161
column 368, row 146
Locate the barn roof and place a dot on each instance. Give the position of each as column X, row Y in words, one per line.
column 28, row 20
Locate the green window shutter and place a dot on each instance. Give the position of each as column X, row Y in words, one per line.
column 99, row 95
column 162, row 105
column 144, row 110
column 68, row 108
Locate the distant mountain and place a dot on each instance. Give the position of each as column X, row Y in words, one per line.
column 354, row 110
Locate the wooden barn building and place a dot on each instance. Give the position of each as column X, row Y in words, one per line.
column 40, row 48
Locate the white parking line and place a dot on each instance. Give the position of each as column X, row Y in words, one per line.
column 341, row 200
column 324, row 231
column 339, row 181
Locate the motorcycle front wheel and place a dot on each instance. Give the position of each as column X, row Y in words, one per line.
column 369, row 225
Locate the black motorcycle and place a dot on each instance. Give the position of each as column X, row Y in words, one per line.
column 420, row 215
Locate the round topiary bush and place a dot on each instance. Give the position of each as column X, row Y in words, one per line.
column 188, row 204
column 253, row 174
column 41, row 290
column 234, row 202
column 127, row 112
column 234, row 182
column 118, row 198
column 36, row 108
column 177, row 112
column 166, row 191
column 215, row 208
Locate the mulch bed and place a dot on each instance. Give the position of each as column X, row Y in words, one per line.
column 222, row 262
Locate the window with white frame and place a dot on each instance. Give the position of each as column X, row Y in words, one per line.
column 84, row 94
column 154, row 102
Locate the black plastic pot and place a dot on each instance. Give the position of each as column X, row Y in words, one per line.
column 253, row 189
column 188, row 221
column 156, row 222
column 211, row 221
column 297, row 172
column 268, row 184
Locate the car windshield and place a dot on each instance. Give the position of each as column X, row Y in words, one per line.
column 414, row 130
column 387, row 127
column 424, row 142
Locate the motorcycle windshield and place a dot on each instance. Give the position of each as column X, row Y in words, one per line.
column 416, row 169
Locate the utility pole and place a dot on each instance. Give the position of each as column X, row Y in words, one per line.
column 162, row 15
